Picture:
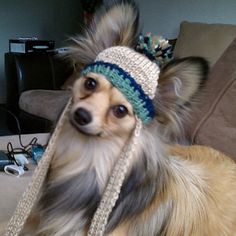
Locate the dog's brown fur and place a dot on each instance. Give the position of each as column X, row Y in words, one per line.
column 169, row 190
column 205, row 202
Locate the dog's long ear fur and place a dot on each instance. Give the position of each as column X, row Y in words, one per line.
column 179, row 84
column 116, row 23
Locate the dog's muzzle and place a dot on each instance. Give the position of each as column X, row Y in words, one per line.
column 82, row 117
column 81, row 120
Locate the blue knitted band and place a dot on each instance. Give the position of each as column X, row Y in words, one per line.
column 142, row 104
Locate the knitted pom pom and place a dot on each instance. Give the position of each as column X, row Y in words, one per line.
column 156, row 48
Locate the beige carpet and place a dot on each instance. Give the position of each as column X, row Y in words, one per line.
column 11, row 187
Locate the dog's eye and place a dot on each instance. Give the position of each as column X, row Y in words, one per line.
column 90, row 84
column 120, row 111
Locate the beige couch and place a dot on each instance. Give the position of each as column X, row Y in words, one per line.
column 213, row 121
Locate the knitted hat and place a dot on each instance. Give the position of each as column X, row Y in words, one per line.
column 133, row 74
column 136, row 77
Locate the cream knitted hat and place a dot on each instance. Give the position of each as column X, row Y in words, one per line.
column 136, row 77
column 132, row 73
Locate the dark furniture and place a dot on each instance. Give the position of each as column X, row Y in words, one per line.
column 32, row 71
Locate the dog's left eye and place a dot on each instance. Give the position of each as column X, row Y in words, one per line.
column 90, row 84
column 120, row 111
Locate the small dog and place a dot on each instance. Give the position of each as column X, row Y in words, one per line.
column 168, row 190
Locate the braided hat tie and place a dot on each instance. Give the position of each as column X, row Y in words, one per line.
column 113, row 188
column 29, row 197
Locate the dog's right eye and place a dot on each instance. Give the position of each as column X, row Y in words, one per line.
column 90, row 84
column 120, row 111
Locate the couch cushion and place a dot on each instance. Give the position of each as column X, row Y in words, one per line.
column 214, row 119
column 46, row 104
column 205, row 40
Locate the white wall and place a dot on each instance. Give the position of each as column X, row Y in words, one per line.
column 163, row 17
column 45, row 19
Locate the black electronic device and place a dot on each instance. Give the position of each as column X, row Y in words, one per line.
column 4, row 160
column 30, row 45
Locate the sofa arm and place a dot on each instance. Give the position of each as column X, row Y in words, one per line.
column 33, row 71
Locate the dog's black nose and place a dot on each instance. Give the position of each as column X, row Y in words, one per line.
column 82, row 116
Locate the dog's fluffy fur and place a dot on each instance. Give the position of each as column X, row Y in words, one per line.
column 169, row 190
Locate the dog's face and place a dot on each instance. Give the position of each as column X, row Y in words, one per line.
column 99, row 109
